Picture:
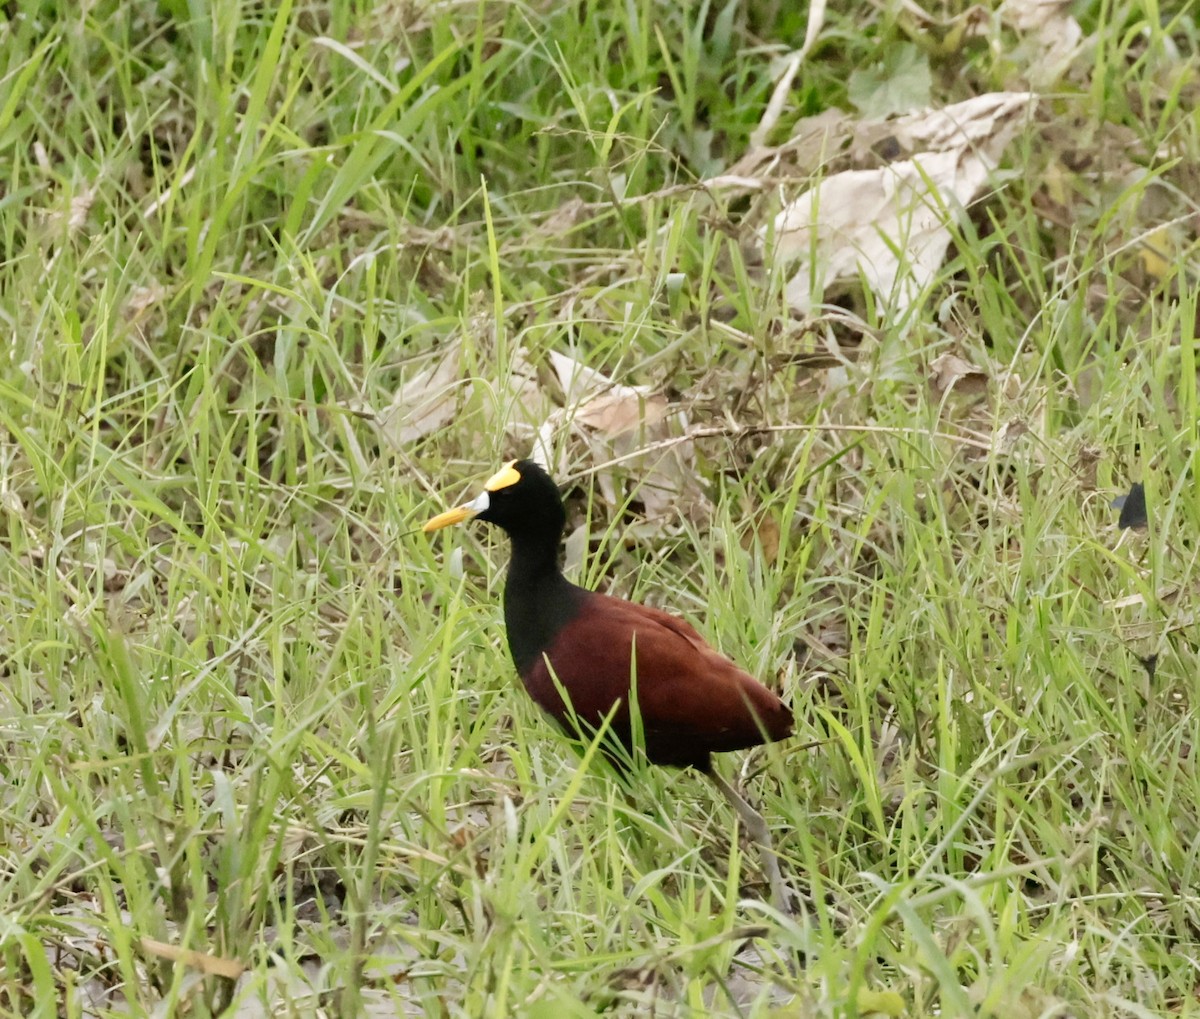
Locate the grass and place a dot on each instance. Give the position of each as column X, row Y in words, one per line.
column 247, row 712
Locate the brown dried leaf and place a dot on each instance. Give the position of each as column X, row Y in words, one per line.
column 616, row 413
column 616, row 421
column 766, row 531
column 213, row 965
column 951, row 371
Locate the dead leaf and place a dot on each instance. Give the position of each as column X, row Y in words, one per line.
column 892, row 224
column 615, row 421
column 767, row 534
column 1007, row 436
column 213, row 965
column 814, row 139
column 564, row 219
column 1046, row 27
column 74, row 216
column 424, row 403
column 574, row 549
column 987, row 120
column 143, row 298
column 783, row 81
column 431, row 397
column 949, row 371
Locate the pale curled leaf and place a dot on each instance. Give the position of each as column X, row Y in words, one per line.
column 892, row 224
column 594, row 401
column 431, row 397
column 985, row 122
column 858, row 221
column 424, row 403
column 1047, row 28
column 578, row 381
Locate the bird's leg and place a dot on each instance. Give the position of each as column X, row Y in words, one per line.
column 756, row 826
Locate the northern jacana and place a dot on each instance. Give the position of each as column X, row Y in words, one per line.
column 605, row 651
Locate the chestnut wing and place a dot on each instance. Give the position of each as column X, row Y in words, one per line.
column 693, row 701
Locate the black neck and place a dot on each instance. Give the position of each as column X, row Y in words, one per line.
column 533, row 557
column 538, row 600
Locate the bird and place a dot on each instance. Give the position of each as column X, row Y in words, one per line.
column 585, row 657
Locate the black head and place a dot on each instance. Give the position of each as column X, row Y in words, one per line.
column 521, row 498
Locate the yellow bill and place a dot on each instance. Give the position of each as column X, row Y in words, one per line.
column 505, row 477
column 449, row 518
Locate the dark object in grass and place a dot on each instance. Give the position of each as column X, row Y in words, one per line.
column 1132, row 507
column 584, row 656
